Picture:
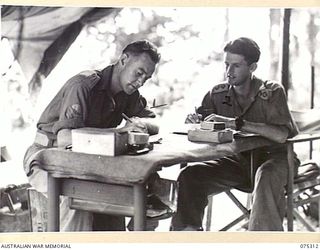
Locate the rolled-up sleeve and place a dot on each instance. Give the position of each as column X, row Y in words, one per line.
column 278, row 112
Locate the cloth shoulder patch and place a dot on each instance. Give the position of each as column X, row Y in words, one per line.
column 266, row 90
column 222, row 87
column 73, row 111
column 88, row 73
column 91, row 77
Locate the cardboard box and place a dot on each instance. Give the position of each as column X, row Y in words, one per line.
column 99, row 141
column 212, row 125
column 138, row 138
column 201, row 135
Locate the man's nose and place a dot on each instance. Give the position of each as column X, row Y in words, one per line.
column 140, row 81
column 229, row 70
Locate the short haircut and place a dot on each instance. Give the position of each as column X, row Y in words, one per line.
column 246, row 47
column 143, row 46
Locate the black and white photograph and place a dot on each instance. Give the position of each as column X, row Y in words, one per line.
column 186, row 120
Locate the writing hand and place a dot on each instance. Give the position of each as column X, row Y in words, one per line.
column 193, row 118
column 136, row 125
column 230, row 122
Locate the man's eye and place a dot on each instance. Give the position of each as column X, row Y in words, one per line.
column 139, row 73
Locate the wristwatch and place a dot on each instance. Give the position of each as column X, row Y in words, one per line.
column 239, row 122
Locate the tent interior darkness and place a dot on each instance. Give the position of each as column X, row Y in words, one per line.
column 40, row 36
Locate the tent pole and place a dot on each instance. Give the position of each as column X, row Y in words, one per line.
column 285, row 49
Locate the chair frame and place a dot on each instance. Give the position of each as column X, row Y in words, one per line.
column 291, row 205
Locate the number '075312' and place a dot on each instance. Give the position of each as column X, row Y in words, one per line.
column 309, row 246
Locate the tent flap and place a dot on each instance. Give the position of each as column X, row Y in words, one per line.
column 40, row 36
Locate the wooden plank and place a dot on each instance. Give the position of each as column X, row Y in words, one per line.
column 96, row 191
column 101, row 207
column 53, row 204
column 38, row 211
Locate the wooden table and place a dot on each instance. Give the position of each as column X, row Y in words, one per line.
column 118, row 183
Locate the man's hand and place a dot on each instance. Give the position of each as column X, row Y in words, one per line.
column 144, row 125
column 230, row 122
column 136, row 124
column 193, row 118
column 272, row 132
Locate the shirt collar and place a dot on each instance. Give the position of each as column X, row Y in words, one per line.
column 257, row 86
column 106, row 75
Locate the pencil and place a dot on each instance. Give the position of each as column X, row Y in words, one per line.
column 158, row 106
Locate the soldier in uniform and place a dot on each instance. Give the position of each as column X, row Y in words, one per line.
column 247, row 103
column 95, row 98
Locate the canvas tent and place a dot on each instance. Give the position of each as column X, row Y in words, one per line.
column 40, row 36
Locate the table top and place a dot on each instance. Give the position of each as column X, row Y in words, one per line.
column 130, row 169
column 303, row 137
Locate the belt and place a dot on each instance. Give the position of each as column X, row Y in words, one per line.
column 45, row 140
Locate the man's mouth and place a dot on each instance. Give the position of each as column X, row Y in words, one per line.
column 133, row 87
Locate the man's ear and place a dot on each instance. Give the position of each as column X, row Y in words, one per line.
column 123, row 59
column 253, row 67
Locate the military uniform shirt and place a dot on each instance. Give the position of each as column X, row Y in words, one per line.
column 266, row 104
column 86, row 101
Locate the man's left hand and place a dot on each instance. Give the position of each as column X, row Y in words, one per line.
column 230, row 122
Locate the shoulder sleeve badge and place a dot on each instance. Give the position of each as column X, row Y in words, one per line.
column 220, row 88
column 265, row 94
column 73, row 111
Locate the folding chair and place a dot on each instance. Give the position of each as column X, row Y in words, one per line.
column 299, row 188
column 245, row 209
column 303, row 183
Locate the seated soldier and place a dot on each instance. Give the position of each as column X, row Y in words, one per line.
column 95, row 98
column 247, row 103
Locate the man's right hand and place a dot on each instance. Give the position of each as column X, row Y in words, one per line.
column 193, row 118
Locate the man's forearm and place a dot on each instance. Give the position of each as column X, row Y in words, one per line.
column 275, row 133
column 272, row 132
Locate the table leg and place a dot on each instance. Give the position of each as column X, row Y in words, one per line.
column 139, row 200
column 53, row 204
column 290, row 186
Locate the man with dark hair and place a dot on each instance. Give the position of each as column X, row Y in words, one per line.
column 244, row 102
column 95, row 98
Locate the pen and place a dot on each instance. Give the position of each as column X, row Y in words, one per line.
column 129, row 120
column 126, row 117
column 197, row 114
column 180, row 133
column 158, row 106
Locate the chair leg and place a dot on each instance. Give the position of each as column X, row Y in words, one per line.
column 209, row 213
column 245, row 211
column 319, row 214
column 289, row 189
column 238, row 203
column 303, row 221
column 234, row 222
